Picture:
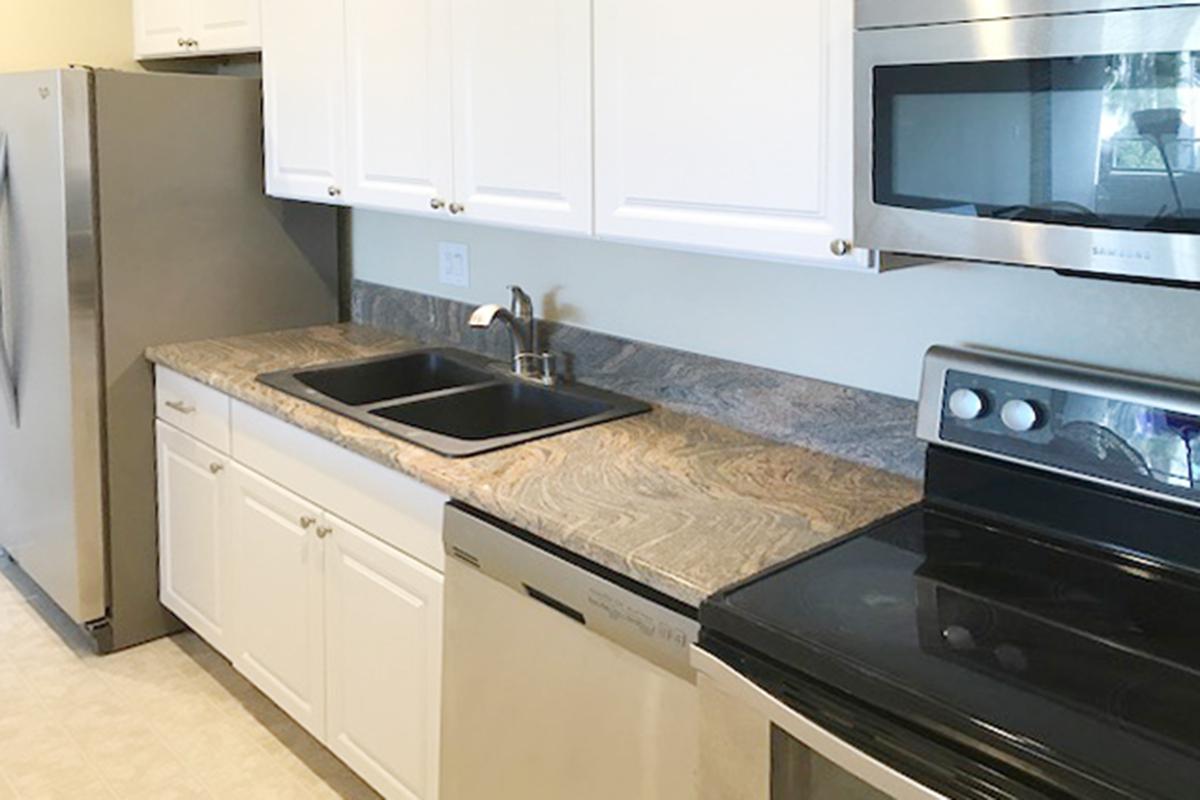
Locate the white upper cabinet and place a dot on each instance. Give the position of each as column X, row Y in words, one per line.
column 522, row 112
column 692, row 124
column 181, row 28
column 162, row 28
column 726, row 126
column 400, row 132
column 228, row 26
column 304, row 85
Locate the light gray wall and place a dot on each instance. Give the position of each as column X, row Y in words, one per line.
column 868, row 331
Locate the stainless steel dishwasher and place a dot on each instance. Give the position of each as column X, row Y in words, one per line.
column 559, row 681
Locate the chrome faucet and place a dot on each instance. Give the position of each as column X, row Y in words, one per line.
column 527, row 360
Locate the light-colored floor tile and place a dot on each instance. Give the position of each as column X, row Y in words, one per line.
column 170, row 719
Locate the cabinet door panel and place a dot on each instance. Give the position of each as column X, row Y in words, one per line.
column 159, row 26
column 400, row 147
column 304, row 98
column 278, row 574
column 193, row 535
column 726, row 125
column 384, row 628
column 227, row 26
column 522, row 112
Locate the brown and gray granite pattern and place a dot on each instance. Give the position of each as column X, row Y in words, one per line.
column 860, row 426
column 676, row 501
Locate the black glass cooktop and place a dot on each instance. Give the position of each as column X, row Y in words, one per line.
column 1077, row 667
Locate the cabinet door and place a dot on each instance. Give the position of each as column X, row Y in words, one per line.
column 193, row 535
column 227, row 26
column 304, row 77
column 523, row 112
column 161, row 28
column 278, row 576
column 726, row 126
column 400, row 148
column 384, row 629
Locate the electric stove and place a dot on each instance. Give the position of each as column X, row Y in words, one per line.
column 1032, row 627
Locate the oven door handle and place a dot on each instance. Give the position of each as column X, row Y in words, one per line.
column 862, row 766
column 8, row 383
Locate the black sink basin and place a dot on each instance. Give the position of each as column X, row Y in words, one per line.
column 502, row 409
column 452, row 402
column 367, row 382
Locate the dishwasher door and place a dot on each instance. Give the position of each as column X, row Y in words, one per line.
column 557, row 682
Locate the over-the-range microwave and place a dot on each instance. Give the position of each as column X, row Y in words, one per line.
column 1050, row 133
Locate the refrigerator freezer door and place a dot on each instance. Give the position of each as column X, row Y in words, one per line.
column 50, row 464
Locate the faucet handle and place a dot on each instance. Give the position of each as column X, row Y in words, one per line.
column 549, row 368
column 522, row 304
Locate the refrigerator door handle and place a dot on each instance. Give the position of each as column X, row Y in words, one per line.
column 8, row 384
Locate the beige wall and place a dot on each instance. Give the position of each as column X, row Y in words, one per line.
column 42, row 34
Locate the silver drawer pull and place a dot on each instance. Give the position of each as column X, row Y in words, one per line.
column 180, row 406
column 215, row 467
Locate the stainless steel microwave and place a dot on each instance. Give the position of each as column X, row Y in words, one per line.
column 1050, row 133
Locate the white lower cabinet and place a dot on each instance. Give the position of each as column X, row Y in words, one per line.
column 337, row 625
column 383, row 623
column 279, row 596
column 193, row 552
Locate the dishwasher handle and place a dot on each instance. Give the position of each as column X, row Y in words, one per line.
column 557, row 605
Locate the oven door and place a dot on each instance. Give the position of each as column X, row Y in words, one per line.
column 1070, row 142
column 755, row 747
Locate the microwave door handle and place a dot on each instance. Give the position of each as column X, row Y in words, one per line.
column 8, row 384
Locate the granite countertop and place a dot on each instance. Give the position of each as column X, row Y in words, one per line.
column 675, row 501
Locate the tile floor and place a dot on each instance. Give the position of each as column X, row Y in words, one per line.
column 169, row 719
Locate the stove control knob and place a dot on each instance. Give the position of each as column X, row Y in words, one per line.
column 1020, row 416
column 967, row 404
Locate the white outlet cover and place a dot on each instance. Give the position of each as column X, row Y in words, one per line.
column 454, row 264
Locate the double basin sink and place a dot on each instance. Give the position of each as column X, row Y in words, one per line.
column 452, row 402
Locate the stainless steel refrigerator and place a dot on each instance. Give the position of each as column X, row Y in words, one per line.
column 132, row 213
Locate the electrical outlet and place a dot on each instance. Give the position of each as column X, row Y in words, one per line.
column 454, row 264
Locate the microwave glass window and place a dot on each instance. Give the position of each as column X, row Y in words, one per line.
column 1096, row 141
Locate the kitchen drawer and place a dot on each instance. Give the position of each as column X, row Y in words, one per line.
column 193, row 408
column 399, row 510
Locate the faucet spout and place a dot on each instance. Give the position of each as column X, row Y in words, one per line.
column 486, row 316
column 522, row 328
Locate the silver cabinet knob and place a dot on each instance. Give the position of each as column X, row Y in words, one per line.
column 323, row 531
column 183, row 42
column 841, row 247
column 335, row 191
column 307, row 522
column 457, row 208
column 216, row 467
column 437, row 204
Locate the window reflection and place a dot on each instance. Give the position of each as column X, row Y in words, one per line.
column 1148, row 133
column 1126, row 441
column 1098, row 141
